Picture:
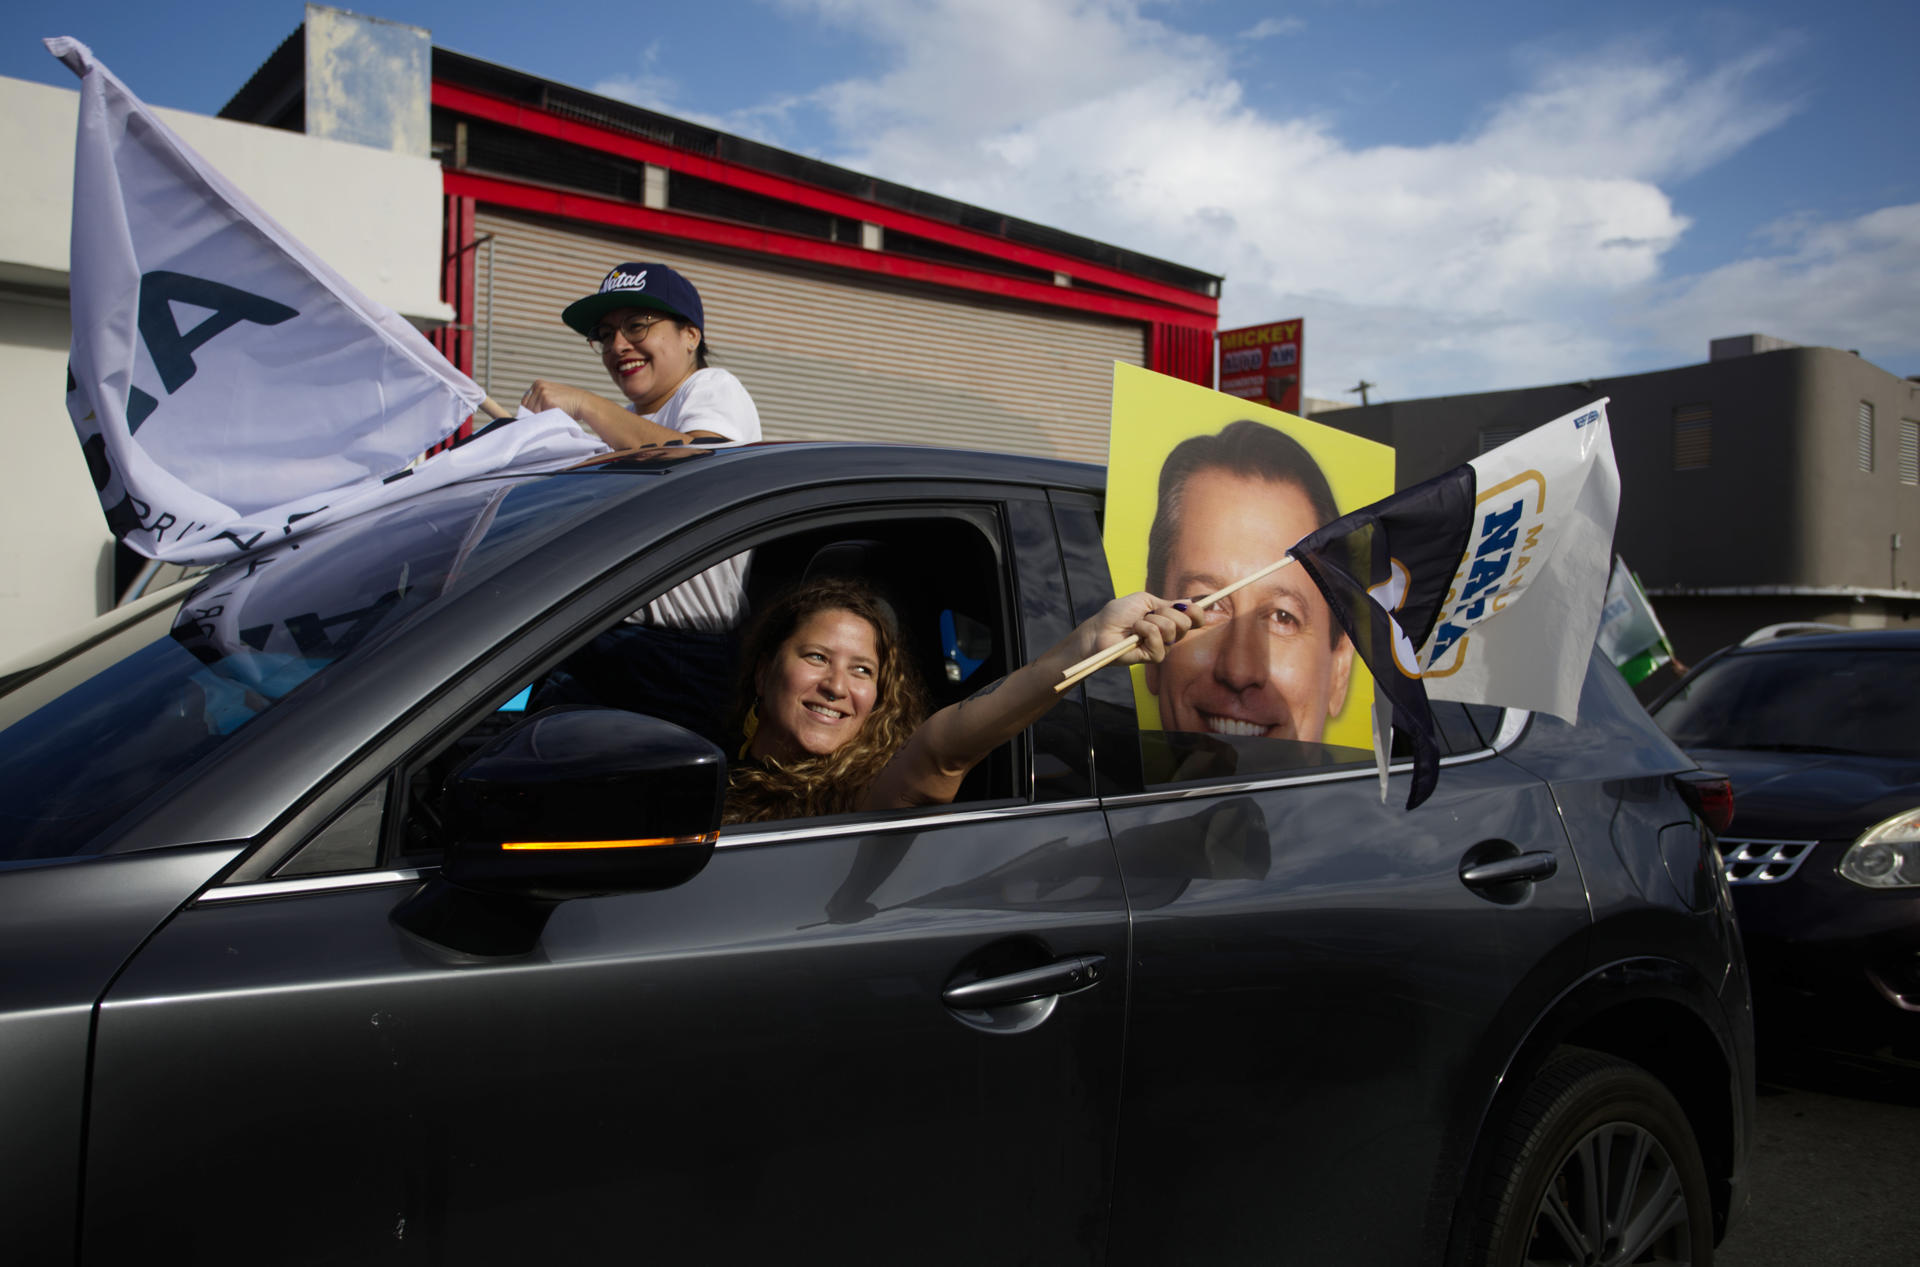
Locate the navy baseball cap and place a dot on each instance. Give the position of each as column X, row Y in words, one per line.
column 637, row 286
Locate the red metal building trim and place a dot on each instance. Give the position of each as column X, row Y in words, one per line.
column 1182, row 351
column 531, row 119
column 594, row 209
column 455, row 341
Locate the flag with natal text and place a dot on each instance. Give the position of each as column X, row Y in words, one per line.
column 1543, row 516
column 1429, row 582
column 230, row 389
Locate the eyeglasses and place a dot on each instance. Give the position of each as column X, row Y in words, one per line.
column 633, row 329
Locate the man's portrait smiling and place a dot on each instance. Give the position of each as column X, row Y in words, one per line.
column 1271, row 661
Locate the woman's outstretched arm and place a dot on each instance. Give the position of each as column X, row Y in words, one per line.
column 929, row 769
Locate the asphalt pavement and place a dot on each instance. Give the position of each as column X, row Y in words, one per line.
column 1835, row 1158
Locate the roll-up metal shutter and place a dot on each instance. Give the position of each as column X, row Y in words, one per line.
column 827, row 355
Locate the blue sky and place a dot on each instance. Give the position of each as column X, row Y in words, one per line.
column 1456, row 197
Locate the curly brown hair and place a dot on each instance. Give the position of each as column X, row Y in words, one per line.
column 833, row 783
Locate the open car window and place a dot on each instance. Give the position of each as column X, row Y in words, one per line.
column 943, row 571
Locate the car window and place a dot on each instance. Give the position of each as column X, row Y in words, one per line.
column 1171, row 757
column 88, row 738
column 1801, row 700
column 944, row 576
column 351, row 842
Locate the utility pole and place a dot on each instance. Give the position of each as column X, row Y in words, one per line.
column 1362, row 389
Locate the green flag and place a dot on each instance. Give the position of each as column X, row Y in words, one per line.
column 1629, row 633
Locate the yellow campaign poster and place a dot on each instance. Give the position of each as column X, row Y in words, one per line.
column 1201, row 491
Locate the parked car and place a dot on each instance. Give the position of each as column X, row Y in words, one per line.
column 1819, row 731
column 277, row 993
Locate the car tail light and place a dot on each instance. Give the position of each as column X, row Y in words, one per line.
column 1710, row 795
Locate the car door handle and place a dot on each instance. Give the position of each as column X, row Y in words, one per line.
column 1538, row 865
column 1062, row 976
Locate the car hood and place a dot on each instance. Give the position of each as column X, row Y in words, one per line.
column 1822, row 795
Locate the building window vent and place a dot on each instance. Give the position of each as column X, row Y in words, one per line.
column 1692, row 437
column 1494, row 437
column 1909, row 451
column 1866, row 435
column 725, row 202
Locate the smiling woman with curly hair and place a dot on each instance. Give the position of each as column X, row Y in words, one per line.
column 831, row 710
column 787, row 779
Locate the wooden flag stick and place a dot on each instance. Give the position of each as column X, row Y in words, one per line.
column 1107, row 655
column 494, row 409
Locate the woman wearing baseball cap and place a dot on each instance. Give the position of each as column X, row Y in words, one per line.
column 674, row 657
column 647, row 326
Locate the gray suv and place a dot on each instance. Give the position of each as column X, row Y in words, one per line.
column 275, row 995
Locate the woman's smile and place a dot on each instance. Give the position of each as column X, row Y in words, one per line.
column 819, row 687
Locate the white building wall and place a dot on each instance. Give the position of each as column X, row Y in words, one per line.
column 374, row 215
column 56, row 569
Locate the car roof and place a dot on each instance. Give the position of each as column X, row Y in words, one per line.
column 1839, row 640
column 914, row 459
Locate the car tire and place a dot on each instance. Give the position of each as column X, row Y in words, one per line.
column 1594, row 1165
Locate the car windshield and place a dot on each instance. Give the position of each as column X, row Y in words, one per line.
column 1843, row 701
column 88, row 737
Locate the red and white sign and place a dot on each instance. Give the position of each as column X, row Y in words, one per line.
column 1262, row 364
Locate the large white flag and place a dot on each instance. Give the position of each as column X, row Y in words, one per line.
column 1542, row 529
column 228, row 387
column 1443, row 567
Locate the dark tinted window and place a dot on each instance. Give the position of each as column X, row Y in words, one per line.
column 1802, row 701
column 89, row 739
column 1169, row 756
column 1173, row 757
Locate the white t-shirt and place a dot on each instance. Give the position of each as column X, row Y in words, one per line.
column 710, row 400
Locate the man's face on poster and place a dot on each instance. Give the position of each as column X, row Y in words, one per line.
column 1269, row 660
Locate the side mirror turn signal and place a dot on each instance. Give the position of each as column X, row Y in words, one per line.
column 568, row 803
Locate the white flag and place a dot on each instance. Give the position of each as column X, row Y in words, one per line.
column 1542, row 529
column 228, row 387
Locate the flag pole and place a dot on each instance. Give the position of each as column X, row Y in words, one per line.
column 1107, row 655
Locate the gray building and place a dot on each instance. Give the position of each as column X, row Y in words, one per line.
column 1771, row 483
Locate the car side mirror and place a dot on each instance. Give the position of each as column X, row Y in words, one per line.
column 568, row 803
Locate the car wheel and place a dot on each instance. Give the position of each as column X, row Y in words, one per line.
column 1594, row 1166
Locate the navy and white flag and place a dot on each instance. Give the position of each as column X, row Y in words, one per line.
column 1385, row 571
column 1543, row 515
column 228, row 388
column 1442, row 567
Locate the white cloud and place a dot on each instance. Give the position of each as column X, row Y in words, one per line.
column 1515, row 253
column 1267, row 28
column 1851, row 284
column 645, row 87
column 965, row 70
column 1627, row 114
